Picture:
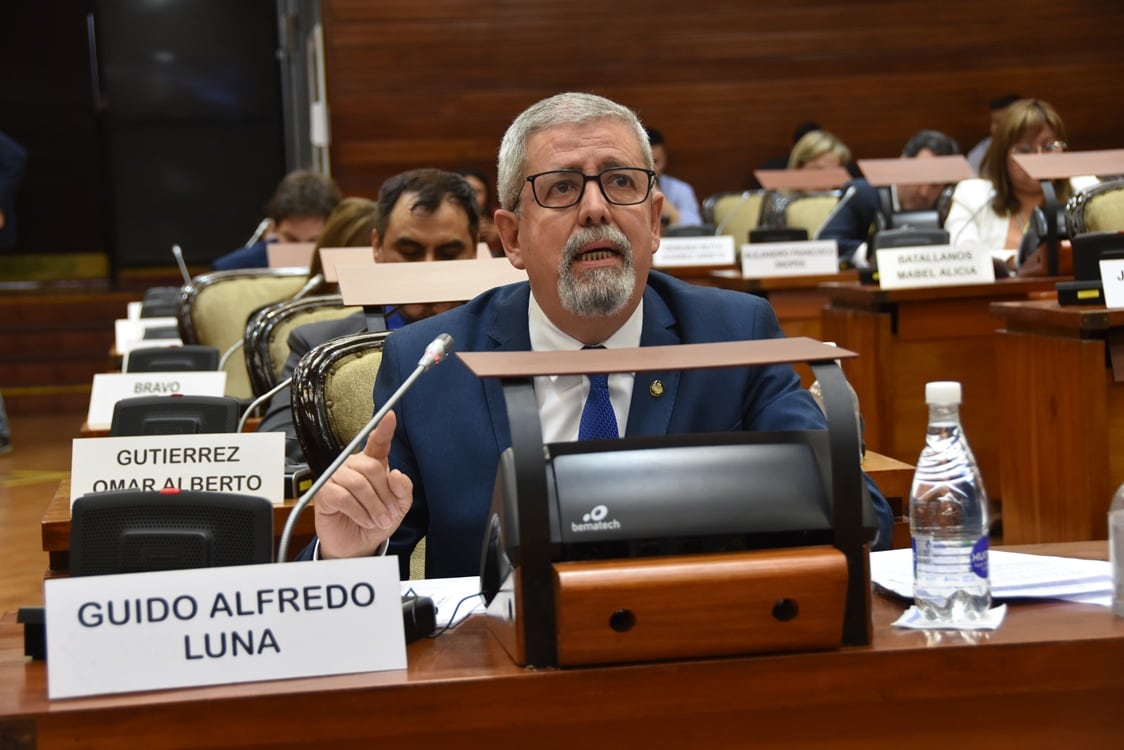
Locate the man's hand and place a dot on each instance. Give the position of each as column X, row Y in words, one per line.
column 364, row 501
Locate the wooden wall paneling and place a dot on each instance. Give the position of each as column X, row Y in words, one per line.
column 726, row 82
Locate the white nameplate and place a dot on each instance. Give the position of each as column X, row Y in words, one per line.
column 934, row 265
column 247, row 463
column 811, row 258
column 683, row 252
column 129, row 334
column 111, row 387
column 1112, row 280
column 213, row 626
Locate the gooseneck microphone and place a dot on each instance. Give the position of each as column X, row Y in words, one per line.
column 261, row 400
column 437, row 350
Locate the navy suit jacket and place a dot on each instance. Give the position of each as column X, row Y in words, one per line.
column 452, row 425
column 855, row 221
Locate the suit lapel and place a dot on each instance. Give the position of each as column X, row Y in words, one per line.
column 653, row 395
column 507, row 330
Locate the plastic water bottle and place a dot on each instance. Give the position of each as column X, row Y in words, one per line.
column 948, row 517
column 817, row 393
column 1116, row 550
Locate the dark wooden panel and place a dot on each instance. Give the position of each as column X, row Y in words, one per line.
column 437, row 83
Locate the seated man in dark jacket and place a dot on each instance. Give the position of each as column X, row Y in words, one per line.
column 857, row 219
column 423, row 215
column 297, row 212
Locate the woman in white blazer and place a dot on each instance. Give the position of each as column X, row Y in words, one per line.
column 995, row 210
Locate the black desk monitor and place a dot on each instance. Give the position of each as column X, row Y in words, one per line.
column 189, row 357
column 131, row 531
column 174, row 415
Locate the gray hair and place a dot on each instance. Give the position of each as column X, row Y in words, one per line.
column 571, row 108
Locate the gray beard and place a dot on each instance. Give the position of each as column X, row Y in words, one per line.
column 600, row 292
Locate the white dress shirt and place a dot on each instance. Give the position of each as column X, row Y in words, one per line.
column 562, row 397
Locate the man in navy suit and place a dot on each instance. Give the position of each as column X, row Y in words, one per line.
column 867, row 208
column 579, row 215
column 423, row 215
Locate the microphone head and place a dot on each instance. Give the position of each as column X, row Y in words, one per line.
column 437, row 350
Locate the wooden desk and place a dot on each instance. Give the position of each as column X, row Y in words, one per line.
column 1060, row 419
column 908, row 337
column 1049, row 677
column 55, row 529
column 892, row 477
column 797, row 300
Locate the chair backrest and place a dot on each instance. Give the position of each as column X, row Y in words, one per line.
column 734, row 213
column 267, row 334
column 1098, row 208
column 171, row 358
column 215, row 307
column 809, row 211
column 332, row 395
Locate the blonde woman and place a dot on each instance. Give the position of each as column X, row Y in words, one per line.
column 819, row 149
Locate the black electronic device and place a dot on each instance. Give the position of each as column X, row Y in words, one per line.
column 161, row 332
column 777, row 234
column 175, row 415
column 1089, row 249
column 581, row 531
column 130, row 531
column 189, row 357
column 906, row 236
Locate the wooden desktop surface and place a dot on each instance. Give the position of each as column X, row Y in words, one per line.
column 908, row 337
column 795, row 299
column 1060, row 418
column 1049, row 677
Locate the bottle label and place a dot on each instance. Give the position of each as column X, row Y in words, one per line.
column 979, row 557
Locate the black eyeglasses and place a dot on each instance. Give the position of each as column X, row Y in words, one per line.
column 621, row 186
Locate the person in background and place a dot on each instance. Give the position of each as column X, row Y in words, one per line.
column 349, row 225
column 995, row 209
column 680, row 206
column 484, row 208
column 819, row 149
column 995, row 110
column 857, row 217
column 421, row 215
column 579, row 214
column 13, row 163
column 781, row 162
column 297, row 212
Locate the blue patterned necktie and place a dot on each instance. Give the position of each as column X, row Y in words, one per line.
column 598, row 420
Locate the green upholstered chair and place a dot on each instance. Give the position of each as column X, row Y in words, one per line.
column 215, row 307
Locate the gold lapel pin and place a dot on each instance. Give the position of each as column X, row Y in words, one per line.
column 656, row 389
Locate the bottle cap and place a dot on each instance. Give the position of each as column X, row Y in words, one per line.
column 942, row 392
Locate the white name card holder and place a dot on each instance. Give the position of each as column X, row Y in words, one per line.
column 687, row 252
column 1112, row 280
column 246, row 463
column 207, row 626
column 770, row 259
column 934, row 265
column 111, row 387
column 129, row 334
